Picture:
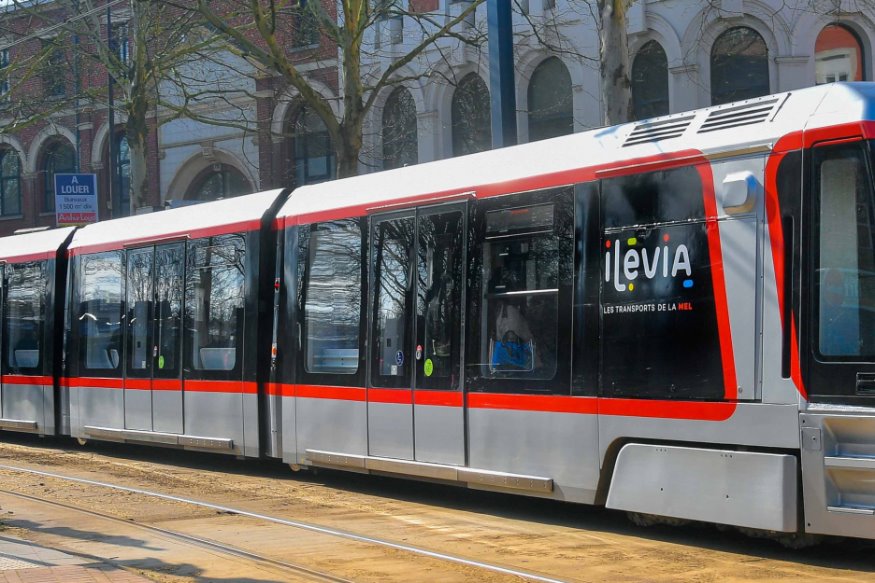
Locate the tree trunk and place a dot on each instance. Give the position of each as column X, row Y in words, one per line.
column 614, row 54
column 139, row 150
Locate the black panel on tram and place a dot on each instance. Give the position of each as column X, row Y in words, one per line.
column 659, row 324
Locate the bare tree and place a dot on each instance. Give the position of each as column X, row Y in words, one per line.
column 262, row 31
column 138, row 44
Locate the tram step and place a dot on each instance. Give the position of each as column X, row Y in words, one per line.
column 17, row 424
column 851, row 509
column 471, row 476
column 850, row 462
column 137, row 436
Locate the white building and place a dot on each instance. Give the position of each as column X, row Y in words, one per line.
column 683, row 55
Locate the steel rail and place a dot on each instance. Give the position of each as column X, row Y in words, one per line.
column 204, row 543
column 300, row 525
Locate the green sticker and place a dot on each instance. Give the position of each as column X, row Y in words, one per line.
column 429, row 367
column 160, row 362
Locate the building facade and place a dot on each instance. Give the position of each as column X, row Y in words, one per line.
column 683, row 55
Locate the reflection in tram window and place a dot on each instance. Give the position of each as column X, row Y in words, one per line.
column 332, row 298
column 522, row 302
column 214, row 302
column 168, row 308
column 393, row 242
column 25, row 314
column 139, row 306
column 439, row 299
column 100, row 311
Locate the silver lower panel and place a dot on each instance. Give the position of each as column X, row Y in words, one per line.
column 31, row 404
column 750, row 489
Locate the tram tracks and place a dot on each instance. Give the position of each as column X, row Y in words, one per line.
column 298, row 571
column 180, row 537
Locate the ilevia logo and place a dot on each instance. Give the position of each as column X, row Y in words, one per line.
column 651, row 262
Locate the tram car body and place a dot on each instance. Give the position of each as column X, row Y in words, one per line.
column 163, row 326
column 32, row 276
column 673, row 317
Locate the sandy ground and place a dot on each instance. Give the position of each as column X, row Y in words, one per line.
column 561, row 541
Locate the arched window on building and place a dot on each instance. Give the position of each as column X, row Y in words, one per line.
column 650, row 82
column 313, row 152
column 400, row 138
column 59, row 158
column 739, row 66
column 216, row 182
column 120, row 174
column 550, row 101
column 838, row 55
column 10, row 183
column 470, row 112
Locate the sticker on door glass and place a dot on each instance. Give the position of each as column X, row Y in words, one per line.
column 160, row 362
column 399, row 357
column 428, row 367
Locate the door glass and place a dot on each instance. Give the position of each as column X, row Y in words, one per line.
column 214, row 300
column 168, row 309
column 439, row 300
column 100, row 312
column 139, row 309
column 392, row 246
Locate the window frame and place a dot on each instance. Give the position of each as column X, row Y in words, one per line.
column 734, row 94
column 80, row 339
column 643, row 74
column 563, row 228
column 6, row 180
column 49, row 169
column 191, row 266
column 43, row 349
column 303, row 269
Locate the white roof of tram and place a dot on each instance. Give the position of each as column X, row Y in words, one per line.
column 782, row 113
column 31, row 245
column 178, row 221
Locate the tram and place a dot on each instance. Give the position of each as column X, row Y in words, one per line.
column 673, row 317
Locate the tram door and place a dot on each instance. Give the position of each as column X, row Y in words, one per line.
column 153, row 390
column 3, row 301
column 415, row 399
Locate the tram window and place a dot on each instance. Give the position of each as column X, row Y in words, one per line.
column 520, row 316
column 214, row 299
column 25, row 314
column 845, row 264
column 393, row 242
column 522, row 307
column 332, row 298
column 100, row 311
column 651, row 198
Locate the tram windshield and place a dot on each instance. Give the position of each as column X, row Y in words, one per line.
column 845, row 269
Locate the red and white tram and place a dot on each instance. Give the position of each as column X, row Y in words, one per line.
column 674, row 317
